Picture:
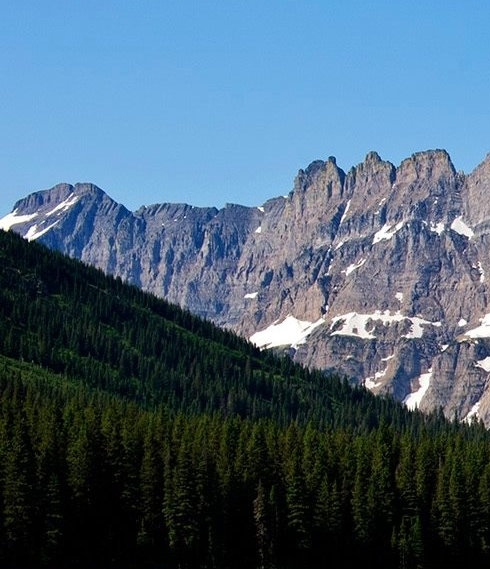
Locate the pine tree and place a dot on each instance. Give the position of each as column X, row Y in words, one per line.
column 152, row 530
column 19, row 513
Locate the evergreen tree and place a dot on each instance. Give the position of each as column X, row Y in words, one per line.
column 20, row 540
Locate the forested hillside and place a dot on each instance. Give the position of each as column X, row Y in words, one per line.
column 135, row 435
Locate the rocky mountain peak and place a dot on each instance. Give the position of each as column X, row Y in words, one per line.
column 430, row 164
column 312, row 169
column 82, row 188
column 478, row 190
column 44, row 198
column 372, row 157
column 372, row 178
column 320, row 173
column 484, row 166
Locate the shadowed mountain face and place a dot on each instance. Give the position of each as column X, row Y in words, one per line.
column 381, row 273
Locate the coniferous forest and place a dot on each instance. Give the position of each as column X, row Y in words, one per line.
column 135, row 435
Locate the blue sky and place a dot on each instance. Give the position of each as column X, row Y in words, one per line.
column 223, row 101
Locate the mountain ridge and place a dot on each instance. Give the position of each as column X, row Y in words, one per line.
column 378, row 272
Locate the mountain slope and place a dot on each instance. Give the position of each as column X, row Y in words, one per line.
column 379, row 273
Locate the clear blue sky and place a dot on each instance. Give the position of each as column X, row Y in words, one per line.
column 209, row 102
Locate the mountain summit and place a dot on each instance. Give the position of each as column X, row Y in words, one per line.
column 380, row 272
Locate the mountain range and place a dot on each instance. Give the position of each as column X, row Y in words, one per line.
column 378, row 273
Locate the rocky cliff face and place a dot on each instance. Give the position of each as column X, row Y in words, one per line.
column 379, row 273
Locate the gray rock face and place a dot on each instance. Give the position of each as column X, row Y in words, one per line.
column 380, row 273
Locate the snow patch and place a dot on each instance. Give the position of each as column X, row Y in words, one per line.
column 386, row 232
column 14, row 219
column 371, row 383
column 484, row 364
column 388, row 358
column 473, row 413
column 399, row 296
column 417, row 331
column 259, row 229
column 251, row 295
column 482, row 272
column 437, row 227
column 290, row 332
column 260, row 208
column 353, row 267
column 35, row 233
column 64, row 205
column 381, row 202
column 462, row 322
column 339, row 245
column 354, row 324
column 444, row 347
column 344, row 215
column 460, row 227
column 413, row 400
column 482, row 331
